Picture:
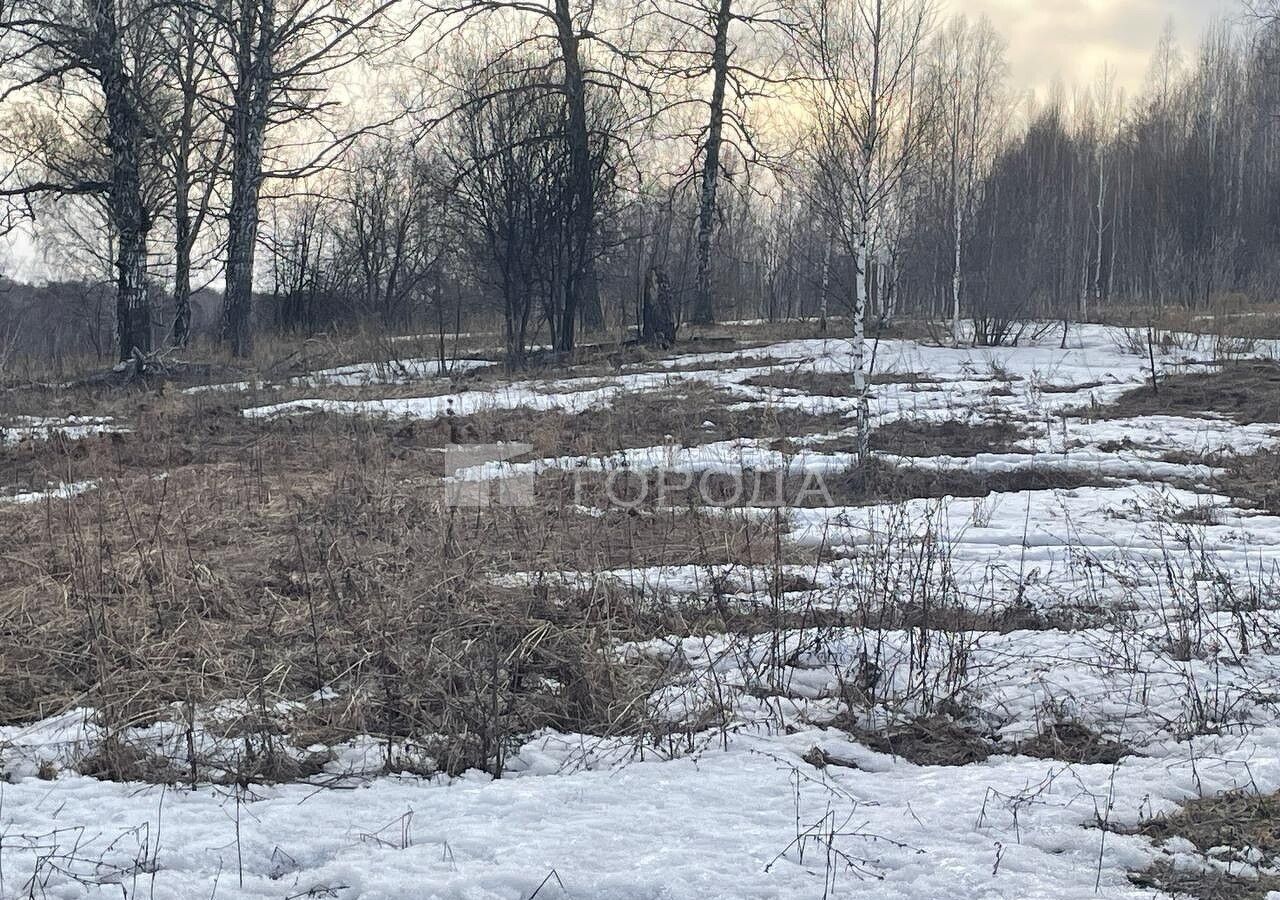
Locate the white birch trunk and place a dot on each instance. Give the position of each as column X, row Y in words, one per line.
column 826, row 289
column 955, row 275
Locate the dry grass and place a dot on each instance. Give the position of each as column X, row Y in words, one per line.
column 881, row 482
column 222, row 558
column 1245, row 391
column 1205, row 884
column 1230, row 315
column 831, row 384
column 1252, row 480
column 938, row 740
column 911, row 437
column 1073, row 742
column 1238, row 821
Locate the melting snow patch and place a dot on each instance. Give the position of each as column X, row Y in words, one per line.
column 34, row 428
column 62, row 491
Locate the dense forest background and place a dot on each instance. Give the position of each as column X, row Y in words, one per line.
column 208, row 171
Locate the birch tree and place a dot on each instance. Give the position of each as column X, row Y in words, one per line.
column 1104, row 104
column 969, row 69
column 863, row 59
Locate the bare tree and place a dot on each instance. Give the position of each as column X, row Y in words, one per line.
column 968, row 68
column 580, row 43
column 95, row 48
column 278, row 62
column 514, row 189
column 1101, row 124
column 731, row 50
column 196, row 145
column 863, row 59
column 390, row 235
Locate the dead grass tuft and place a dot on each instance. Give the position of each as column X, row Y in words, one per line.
column 931, row 741
column 1205, row 884
column 911, row 437
column 882, row 482
column 1222, row 827
column 1073, row 742
column 831, row 384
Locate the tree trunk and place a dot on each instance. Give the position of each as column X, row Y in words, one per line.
column 583, row 291
column 704, row 301
column 182, row 249
column 133, row 311
column 1101, row 229
column 863, row 433
column 658, row 326
column 242, row 239
column 825, row 289
column 248, row 124
column 955, row 275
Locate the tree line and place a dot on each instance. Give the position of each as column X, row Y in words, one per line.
column 563, row 167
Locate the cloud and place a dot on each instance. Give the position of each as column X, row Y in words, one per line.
column 1071, row 40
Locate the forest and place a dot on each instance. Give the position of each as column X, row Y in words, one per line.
column 213, row 170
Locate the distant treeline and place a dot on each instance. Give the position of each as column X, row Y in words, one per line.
column 556, row 167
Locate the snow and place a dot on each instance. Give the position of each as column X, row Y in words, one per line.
column 722, row 823
column 365, row 374
column 36, row 428
column 61, row 491
column 1158, row 626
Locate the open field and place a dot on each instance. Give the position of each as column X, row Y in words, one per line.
column 282, row 637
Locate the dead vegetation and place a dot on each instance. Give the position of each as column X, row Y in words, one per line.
column 878, row 482
column 831, row 384
column 222, row 558
column 1205, row 884
column 1252, row 480
column 915, row 437
column 1073, row 742
column 262, row 561
column 881, row 482
column 937, row 740
column 1234, row 831
column 1245, row 391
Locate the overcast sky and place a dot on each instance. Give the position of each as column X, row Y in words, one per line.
column 1072, row 39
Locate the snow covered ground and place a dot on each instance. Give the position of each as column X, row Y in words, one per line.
column 1174, row 652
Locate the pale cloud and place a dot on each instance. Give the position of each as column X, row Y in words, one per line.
column 1071, row 40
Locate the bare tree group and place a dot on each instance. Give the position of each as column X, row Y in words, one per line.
column 621, row 168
